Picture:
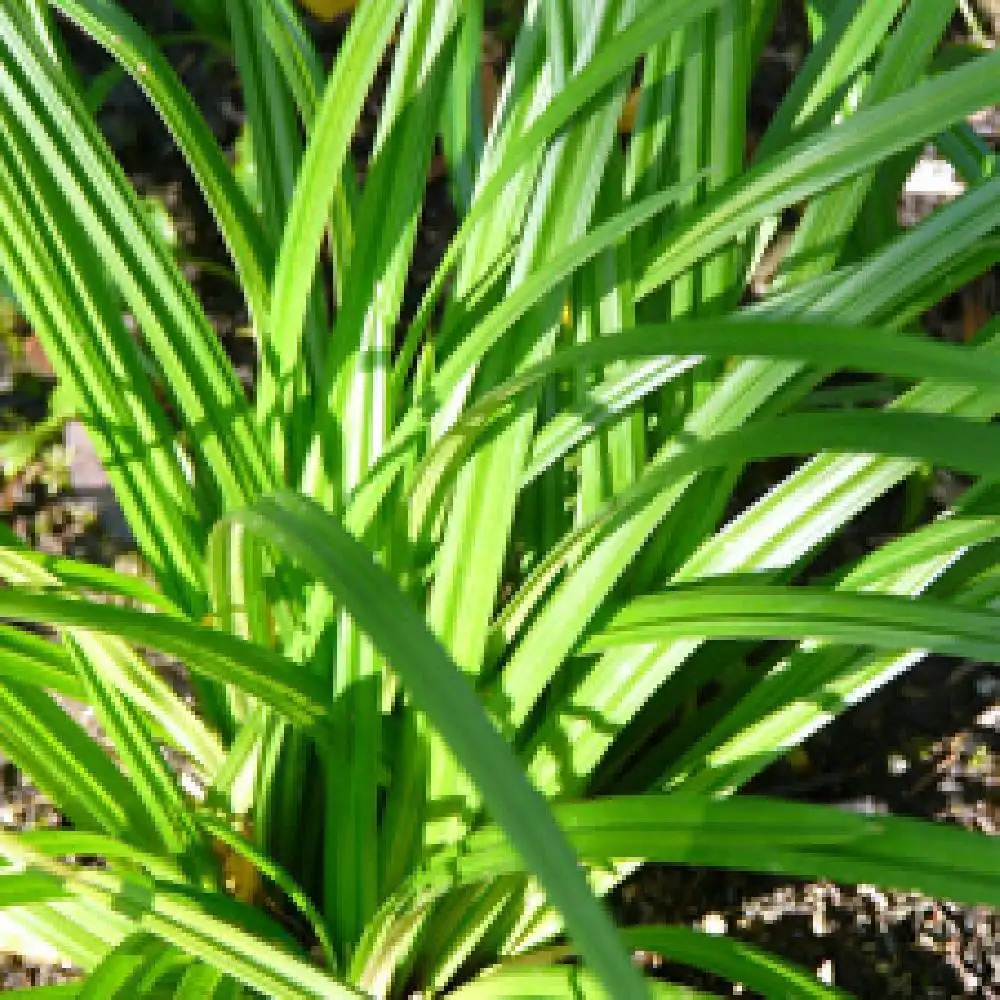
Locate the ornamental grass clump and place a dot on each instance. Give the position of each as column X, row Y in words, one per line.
column 483, row 603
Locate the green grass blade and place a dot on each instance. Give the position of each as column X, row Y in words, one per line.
column 850, row 37
column 169, row 816
column 72, row 928
column 206, row 651
column 615, row 536
column 143, row 59
column 820, row 236
column 484, row 505
column 562, row 264
column 717, row 611
column 677, row 346
column 233, row 938
column 303, row 70
column 615, row 57
column 64, row 293
column 37, row 662
column 769, row 835
column 277, row 147
column 814, row 683
column 554, row 982
column 19, row 564
column 63, row 843
column 739, row 962
column 52, row 992
column 302, row 530
column 325, row 156
column 351, row 431
column 270, row 113
column 66, row 763
column 244, row 849
column 121, row 667
column 122, row 972
column 817, row 163
column 838, row 487
column 462, row 126
column 192, row 363
column 198, row 982
column 22, row 888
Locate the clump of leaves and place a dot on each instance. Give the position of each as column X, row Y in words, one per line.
column 472, row 598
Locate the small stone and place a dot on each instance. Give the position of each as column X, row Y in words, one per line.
column 825, row 972
column 897, row 764
column 715, row 924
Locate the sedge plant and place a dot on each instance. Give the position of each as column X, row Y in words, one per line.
column 483, row 603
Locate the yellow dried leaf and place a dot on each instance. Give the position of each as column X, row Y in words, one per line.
column 626, row 124
column 239, row 875
column 242, row 878
column 327, row 10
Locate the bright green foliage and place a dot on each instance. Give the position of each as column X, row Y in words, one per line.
column 446, row 570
